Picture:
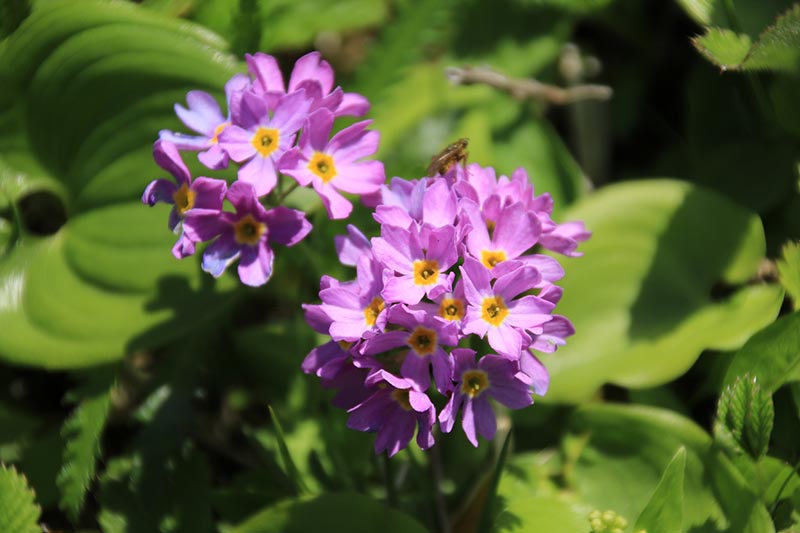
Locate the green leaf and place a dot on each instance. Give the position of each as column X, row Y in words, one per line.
column 12, row 13
column 82, row 432
column 353, row 513
column 541, row 513
column 571, row 6
column 490, row 506
column 777, row 48
column 628, row 450
column 664, row 512
column 18, row 510
column 745, row 416
column 725, row 48
column 772, row 355
column 641, row 296
column 789, row 272
column 288, row 463
column 87, row 86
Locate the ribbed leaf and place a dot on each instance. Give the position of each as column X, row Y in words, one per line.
column 19, row 512
column 286, row 457
column 745, row 416
column 82, row 432
column 84, row 89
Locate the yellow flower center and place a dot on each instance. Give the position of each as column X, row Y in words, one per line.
column 265, row 141
column 451, row 309
column 344, row 345
column 426, row 271
column 248, row 230
column 184, row 199
column 494, row 310
column 219, row 129
column 372, row 311
column 490, row 258
column 322, row 165
column 490, row 225
column 423, row 341
column 401, row 397
column 474, row 382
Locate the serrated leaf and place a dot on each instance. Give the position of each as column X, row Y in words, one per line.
column 82, row 432
column 789, row 272
column 354, row 513
column 725, row 48
column 777, row 48
column 641, row 296
column 745, row 415
column 19, row 512
column 772, row 355
column 86, row 86
column 664, row 512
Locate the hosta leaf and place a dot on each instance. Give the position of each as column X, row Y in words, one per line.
column 777, row 48
column 18, row 510
column 772, row 355
column 789, row 272
column 82, row 432
column 745, row 415
column 88, row 85
column 641, row 296
column 664, row 512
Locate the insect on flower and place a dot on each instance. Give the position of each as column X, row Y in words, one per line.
column 443, row 161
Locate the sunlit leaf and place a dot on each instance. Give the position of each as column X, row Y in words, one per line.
column 664, row 512
column 745, row 416
column 641, row 296
column 789, row 271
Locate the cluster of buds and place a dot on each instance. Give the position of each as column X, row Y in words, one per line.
column 455, row 262
column 269, row 130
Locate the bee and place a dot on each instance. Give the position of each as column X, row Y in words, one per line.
column 443, row 161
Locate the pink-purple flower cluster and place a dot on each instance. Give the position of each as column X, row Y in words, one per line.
column 455, row 260
column 270, row 129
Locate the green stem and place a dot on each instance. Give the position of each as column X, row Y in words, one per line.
column 435, row 461
column 388, row 478
column 282, row 196
column 783, row 487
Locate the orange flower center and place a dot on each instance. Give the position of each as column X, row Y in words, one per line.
column 474, row 382
column 401, row 397
column 322, row 165
column 490, row 258
column 184, row 199
column 494, row 310
column 426, row 271
column 372, row 311
column 451, row 309
column 219, row 129
column 423, row 341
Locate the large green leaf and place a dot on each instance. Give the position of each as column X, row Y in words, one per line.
column 630, row 447
column 664, row 512
column 641, row 296
column 353, row 513
column 772, row 355
column 87, row 85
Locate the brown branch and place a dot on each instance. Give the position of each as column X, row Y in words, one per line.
column 523, row 89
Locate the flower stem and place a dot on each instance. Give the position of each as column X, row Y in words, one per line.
column 435, row 461
column 388, row 478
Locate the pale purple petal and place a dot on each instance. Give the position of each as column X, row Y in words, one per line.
column 516, row 230
column 352, row 246
column 255, row 264
column 317, row 130
column 220, row 254
column 183, row 141
column 160, row 190
column 210, row 193
column 312, row 67
column 291, row 112
column 360, row 178
column 354, row 142
column 337, row 206
column 403, row 289
column 214, row 158
column 203, row 225
column 417, row 369
column 237, row 143
column 203, row 115
column 485, row 421
column 468, row 422
column 267, row 72
column 353, row 104
column 537, row 378
column 260, row 173
column 514, row 283
column 384, row 342
column 167, row 157
column 184, row 247
column 506, row 340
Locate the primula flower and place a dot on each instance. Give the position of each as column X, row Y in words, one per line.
column 424, row 335
column 491, row 377
column 246, row 235
column 203, row 193
column 205, row 117
column 427, row 202
column 419, row 260
column 333, row 165
column 350, row 247
column 494, row 312
column 311, row 73
column 357, row 310
column 395, row 408
column 259, row 140
column 515, row 231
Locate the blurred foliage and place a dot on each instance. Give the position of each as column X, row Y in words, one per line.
column 138, row 394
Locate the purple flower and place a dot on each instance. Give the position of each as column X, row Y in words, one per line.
column 430, row 202
column 493, row 309
column 420, row 260
column 246, row 234
column 515, row 231
column 205, row 194
column 259, row 140
column 395, row 408
column 357, row 310
column 492, row 377
column 424, row 336
column 310, row 73
column 352, row 246
column 333, row 165
column 205, row 117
